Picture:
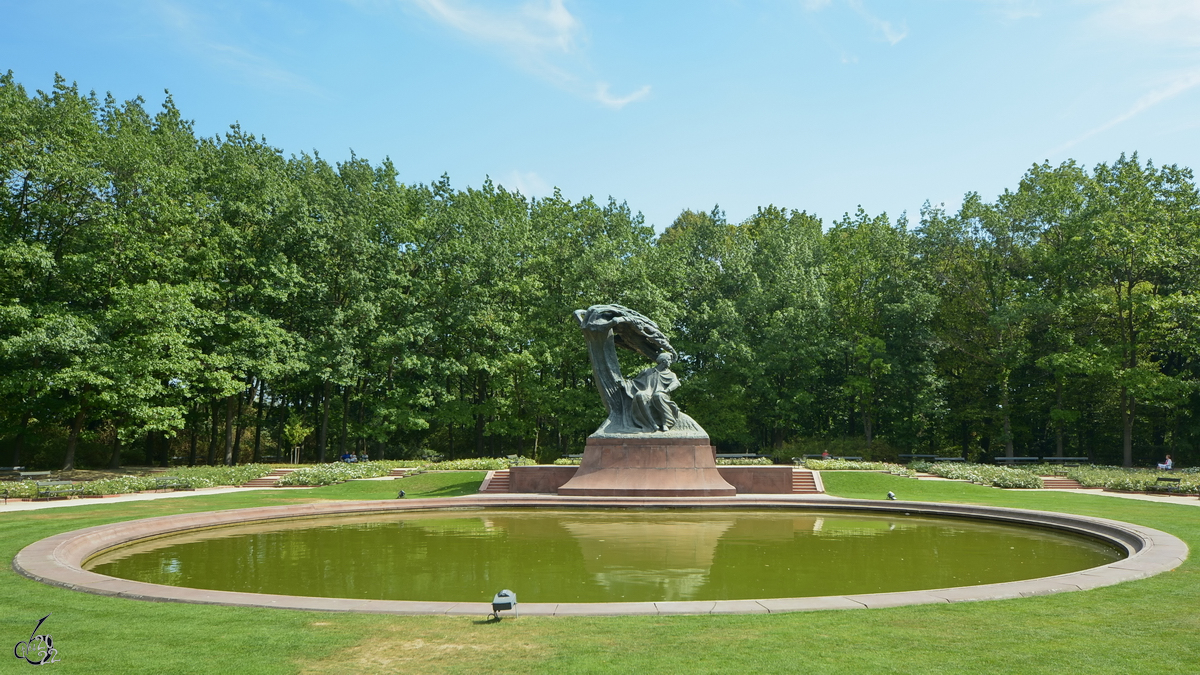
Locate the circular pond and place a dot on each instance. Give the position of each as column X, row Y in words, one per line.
column 584, row 556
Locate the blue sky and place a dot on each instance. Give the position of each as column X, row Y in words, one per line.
column 817, row 105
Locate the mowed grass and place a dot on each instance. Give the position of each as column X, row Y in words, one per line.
column 432, row 484
column 1143, row 626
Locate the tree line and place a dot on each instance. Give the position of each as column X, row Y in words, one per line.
column 172, row 298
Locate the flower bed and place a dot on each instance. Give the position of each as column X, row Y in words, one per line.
column 337, row 472
column 1135, row 480
column 187, row 476
column 847, row 465
column 982, row 474
column 477, row 464
column 744, row 461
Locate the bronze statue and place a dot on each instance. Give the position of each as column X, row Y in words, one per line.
column 642, row 404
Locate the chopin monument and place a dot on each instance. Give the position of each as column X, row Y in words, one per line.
column 646, row 447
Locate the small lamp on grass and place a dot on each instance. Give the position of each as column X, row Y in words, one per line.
column 505, row 599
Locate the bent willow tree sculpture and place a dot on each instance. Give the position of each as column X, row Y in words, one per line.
column 641, row 405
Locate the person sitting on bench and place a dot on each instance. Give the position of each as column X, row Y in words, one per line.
column 1167, row 464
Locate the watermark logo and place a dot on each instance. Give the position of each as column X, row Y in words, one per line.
column 38, row 650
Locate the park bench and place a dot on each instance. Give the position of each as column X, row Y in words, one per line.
column 55, row 489
column 914, row 458
column 10, row 472
column 948, row 459
column 1171, row 484
column 1017, row 460
column 740, row 455
column 170, row 484
column 1067, row 461
column 578, row 456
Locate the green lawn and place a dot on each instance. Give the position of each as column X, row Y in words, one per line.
column 1144, row 626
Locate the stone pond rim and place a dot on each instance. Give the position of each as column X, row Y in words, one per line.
column 58, row 560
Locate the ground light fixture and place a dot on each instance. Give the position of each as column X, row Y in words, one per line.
column 505, row 599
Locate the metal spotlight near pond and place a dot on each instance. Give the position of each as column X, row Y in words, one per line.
column 505, row 599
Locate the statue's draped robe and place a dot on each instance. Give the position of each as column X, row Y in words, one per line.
column 651, row 407
column 642, row 404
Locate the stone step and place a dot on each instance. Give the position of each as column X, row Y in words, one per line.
column 495, row 482
column 269, row 480
column 803, row 482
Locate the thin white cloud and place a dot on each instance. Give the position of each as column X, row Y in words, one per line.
column 602, row 95
column 534, row 28
column 196, row 32
column 1159, row 21
column 1147, row 24
column 1180, row 85
column 890, row 32
column 527, row 183
column 541, row 36
column 893, row 34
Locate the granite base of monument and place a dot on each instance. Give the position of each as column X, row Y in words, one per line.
column 648, row 465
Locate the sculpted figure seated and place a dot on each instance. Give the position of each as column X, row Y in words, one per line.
column 652, row 407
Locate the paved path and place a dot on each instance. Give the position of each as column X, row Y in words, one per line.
column 16, row 505
column 1186, row 500
column 58, row 559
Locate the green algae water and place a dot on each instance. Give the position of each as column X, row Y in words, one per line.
column 603, row 556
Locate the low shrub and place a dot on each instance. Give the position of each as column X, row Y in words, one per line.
column 744, row 461
column 188, row 476
column 117, row 486
column 847, row 465
column 478, row 464
column 336, row 472
column 983, row 474
column 20, row 489
column 212, row 476
column 1134, row 480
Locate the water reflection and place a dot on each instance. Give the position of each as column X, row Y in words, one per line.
column 667, row 557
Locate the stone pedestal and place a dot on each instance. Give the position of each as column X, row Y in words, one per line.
column 648, row 465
